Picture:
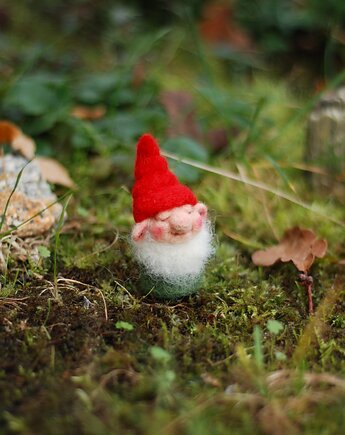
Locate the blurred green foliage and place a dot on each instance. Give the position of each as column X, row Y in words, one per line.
column 42, row 102
column 55, row 70
column 59, row 54
column 283, row 27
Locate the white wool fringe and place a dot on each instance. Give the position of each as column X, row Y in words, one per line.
column 176, row 263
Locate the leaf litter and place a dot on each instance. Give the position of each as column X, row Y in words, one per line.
column 301, row 247
column 28, row 206
column 53, row 172
column 12, row 135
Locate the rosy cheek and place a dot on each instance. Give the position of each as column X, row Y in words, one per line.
column 198, row 223
column 158, row 230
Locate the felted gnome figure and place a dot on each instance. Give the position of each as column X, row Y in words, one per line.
column 172, row 237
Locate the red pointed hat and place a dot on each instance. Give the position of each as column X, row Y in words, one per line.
column 156, row 188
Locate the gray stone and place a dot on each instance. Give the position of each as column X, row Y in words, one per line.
column 28, row 205
column 326, row 133
column 30, row 183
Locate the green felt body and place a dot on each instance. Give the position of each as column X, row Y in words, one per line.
column 162, row 289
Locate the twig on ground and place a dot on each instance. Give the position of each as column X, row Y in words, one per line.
column 307, row 282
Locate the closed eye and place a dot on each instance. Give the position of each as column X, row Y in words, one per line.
column 188, row 209
column 163, row 217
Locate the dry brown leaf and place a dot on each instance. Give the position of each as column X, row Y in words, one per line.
column 180, row 109
column 53, row 172
column 298, row 245
column 25, row 145
column 12, row 135
column 89, row 113
column 218, row 27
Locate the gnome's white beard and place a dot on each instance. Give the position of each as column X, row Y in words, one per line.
column 176, row 263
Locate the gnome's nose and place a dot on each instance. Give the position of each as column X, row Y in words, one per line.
column 180, row 224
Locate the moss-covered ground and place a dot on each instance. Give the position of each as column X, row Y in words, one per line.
column 83, row 352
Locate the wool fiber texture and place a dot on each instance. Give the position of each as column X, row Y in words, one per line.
column 156, row 188
column 176, row 264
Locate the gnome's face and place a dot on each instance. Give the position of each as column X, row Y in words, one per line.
column 176, row 225
column 175, row 244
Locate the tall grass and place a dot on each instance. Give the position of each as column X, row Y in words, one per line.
column 56, row 244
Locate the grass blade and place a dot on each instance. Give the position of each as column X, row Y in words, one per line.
column 258, row 353
column 253, row 183
column 8, row 232
column 57, row 239
column 11, row 194
column 282, row 174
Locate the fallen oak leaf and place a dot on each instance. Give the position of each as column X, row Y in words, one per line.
column 25, row 145
column 218, row 27
column 298, row 245
column 53, row 172
column 12, row 135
